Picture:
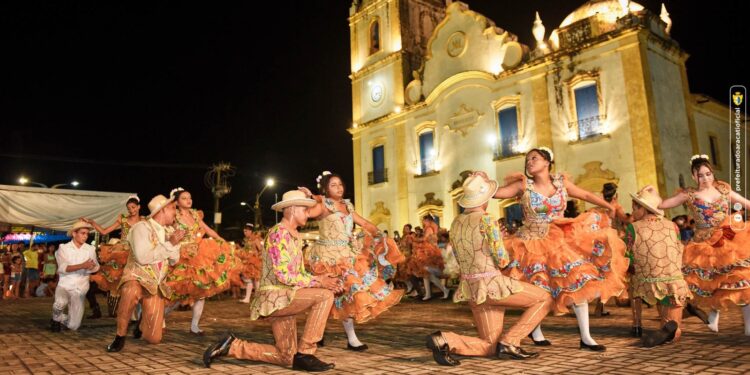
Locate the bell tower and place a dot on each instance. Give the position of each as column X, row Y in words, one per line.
column 388, row 41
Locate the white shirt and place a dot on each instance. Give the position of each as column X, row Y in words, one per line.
column 149, row 250
column 70, row 255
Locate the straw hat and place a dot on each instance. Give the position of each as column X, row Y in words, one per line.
column 477, row 191
column 78, row 225
column 157, row 203
column 293, row 198
column 649, row 198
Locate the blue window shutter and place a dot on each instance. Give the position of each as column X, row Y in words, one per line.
column 587, row 110
column 425, row 145
column 508, row 119
column 378, row 164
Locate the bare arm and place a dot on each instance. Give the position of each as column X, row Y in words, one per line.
column 210, row 232
column 576, row 192
column 316, row 211
column 365, row 224
column 99, row 228
column 510, row 190
column 674, row 201
column 736, row 198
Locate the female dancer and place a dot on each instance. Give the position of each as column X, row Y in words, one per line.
column 716, row 262
column 204, row 266
column 249, row 263
column 426, row 260
column 575, row 259
column 402, row 270
column 114, row 257
column 339, row 252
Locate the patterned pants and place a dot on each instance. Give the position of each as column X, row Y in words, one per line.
column 73, row 300
column 284, row 327
column 152, row 316
column 488, row 318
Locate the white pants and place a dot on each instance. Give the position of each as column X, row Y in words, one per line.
column 72, row 299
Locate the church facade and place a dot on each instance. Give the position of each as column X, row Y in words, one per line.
column 439, row 90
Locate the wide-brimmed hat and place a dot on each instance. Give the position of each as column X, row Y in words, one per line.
column 649, row 198
column 157, row 203
column 78, row 225
column 293, row 198
column 477, row 191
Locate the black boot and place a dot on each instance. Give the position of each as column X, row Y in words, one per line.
column 117, row 344
column 308, row 362
column 137, row 333
column 55, row 326
column 440, row 350
column 513, row 352
column 218, row 349
column 661, row 336
column 636, row 331
column 695, row 311
column 96, row 313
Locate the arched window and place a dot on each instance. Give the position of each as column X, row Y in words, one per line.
column 375, row 36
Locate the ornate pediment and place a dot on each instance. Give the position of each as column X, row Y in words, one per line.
column 463, row 120
column 430, row 200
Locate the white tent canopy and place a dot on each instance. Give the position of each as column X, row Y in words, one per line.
column 58, row 209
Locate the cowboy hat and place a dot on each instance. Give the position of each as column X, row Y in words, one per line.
column 477, row 191
column 649, row 198
column 157, row 203
column 293, row 198
column 78, row 225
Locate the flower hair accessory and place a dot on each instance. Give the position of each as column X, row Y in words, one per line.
column 175, row 191
column 320, row 177
column 696, row 156
column 547, row 150
column 135, row 196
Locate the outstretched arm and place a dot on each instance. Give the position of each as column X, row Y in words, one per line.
column 210, row 232
column 736, row 198
column 365, row 224
column 576, row 192
column 510, row 190
column 674, row 201
column 99, row 228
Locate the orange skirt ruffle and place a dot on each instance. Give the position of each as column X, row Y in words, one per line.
column 112, row 261
column 577, row 261
column 248, row 266
column 204, row 270
column 366, row 294
column 718, row 270
column 425, row 257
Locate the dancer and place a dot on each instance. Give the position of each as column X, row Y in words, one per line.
column 620, row 220
column 655, row 244
column 426, row 260
column 114, row 257
column 249, row 263
column 205, row 265
column 286, row 290
column 481, row 255
column 576, row 260
column 338, row 251
column 716, row 261
column 402, row 269
column 75, row 260
column 145, row 272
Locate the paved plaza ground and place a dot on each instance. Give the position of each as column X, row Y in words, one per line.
column 396, row 342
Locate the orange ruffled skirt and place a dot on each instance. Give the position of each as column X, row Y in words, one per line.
column 367, row 293
column 577, row 261
column 112, row 259
column 425, row 257
column 248, row 266
column 717, row 270
column 204, row 270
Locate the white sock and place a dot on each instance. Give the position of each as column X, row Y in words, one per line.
column 427, row 288
column 746, row 316
column 537, row 334
column 248, row 291
column 350, row 335
column 440, row 285
column 582, row 314
column 197, row 312
column 713, row 320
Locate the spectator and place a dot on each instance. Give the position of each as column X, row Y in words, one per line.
column 46, row 288
column 16, row 270
column 31, row 256
column 49, row 267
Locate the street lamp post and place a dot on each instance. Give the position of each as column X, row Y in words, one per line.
column 258, row 215
column 24, row 181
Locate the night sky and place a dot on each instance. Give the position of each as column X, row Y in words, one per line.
column 145, row 97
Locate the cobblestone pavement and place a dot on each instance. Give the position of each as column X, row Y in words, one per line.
column 396, row 342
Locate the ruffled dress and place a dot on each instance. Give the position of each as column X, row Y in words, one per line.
column 205, row 265
column 575, row 260
column 363, row 264
column 716, row 262
column 402, row 269
column 248, row 265
column 112, row 259
column 426, row 258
